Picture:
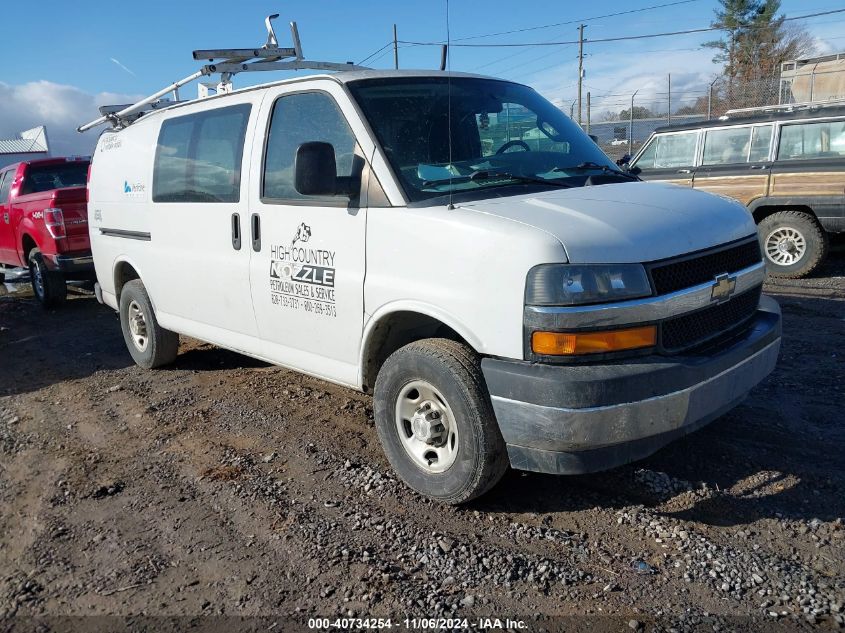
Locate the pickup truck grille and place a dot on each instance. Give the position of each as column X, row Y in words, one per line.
column 679, row 273
column 716, row 322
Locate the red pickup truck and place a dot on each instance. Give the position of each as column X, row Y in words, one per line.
column 44, row 224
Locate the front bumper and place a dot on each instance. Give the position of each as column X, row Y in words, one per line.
column 572, row 419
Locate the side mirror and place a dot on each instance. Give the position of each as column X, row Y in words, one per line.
column 636, row 171
column 315, row 172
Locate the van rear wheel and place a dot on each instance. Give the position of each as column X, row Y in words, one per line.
column 48, row 285
column 436, row 423
column 793, row 243
column 149, row 344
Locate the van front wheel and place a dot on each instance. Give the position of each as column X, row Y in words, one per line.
column 436, row 423
column 149, row 344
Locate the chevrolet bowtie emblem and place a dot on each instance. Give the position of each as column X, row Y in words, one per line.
column 724, row 287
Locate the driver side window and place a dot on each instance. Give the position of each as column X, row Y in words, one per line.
column 515, row 125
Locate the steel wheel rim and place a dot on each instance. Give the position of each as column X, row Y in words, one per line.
column 785, row 246
column 137, row 326
column 426, row 427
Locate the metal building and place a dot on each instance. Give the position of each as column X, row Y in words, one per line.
column 813, row 79
column 28, row 145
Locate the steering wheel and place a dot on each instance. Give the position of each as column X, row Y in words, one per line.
column 514, row 143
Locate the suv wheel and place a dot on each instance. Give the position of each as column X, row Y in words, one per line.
column 49, row 286
column 149, row 344
column 793, row 243
column 436, row 423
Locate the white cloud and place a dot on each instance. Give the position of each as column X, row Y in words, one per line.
column 62, row 108
column 619, row 75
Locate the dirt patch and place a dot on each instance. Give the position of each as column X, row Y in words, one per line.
column 224, row 487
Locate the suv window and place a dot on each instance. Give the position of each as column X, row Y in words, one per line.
column 722, row 147
column 301, row 118
column 199, row 156
column 812, row 140
column 669, row 150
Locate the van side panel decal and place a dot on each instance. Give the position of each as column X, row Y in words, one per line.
column 303, row 278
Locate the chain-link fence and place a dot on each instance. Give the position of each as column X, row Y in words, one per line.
column 622, row 122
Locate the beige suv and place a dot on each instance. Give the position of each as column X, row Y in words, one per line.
column 787, row 166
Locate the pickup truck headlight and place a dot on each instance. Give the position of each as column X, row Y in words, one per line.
column 579, row 284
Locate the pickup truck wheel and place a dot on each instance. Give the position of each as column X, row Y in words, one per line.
column 149, row 344
column 793, row 243
column 49, row 286
column 436, row 423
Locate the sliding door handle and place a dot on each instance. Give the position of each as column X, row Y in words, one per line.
column 255, row 223
column 236, row 231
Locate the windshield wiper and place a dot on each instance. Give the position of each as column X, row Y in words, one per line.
column 482, row 175
column 588, row 165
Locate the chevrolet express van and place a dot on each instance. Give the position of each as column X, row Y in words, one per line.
column 452, row 244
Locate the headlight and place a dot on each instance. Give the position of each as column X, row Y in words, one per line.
column 578, row 284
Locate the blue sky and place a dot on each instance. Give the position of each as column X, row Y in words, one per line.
column 71, row 68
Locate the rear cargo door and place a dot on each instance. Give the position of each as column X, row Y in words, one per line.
column 736, row 162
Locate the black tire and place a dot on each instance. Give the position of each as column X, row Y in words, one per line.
column 2, row 276
column 806, row 226
column 454, row 370
column 49, row 286
column 161, row 346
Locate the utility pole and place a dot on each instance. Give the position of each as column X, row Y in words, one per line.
column 395, row 49
column 580, row 67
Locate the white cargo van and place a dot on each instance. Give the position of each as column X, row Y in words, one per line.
column 453, row 244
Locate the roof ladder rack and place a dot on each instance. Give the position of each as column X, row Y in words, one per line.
column 269, row 57
column 786, row 107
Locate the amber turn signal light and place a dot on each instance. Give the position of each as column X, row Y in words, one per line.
column 573, row 343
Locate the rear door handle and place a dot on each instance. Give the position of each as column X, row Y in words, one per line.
column 759, row 167
column 685, row 171
column 255, row 223
column 236, row 231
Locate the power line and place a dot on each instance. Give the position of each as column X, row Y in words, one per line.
column 370, row 56
column 617, row 39
column 598, row 17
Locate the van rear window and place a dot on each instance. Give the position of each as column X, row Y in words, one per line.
column 199, row 156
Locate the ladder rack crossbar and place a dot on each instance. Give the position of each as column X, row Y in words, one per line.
column 246, row 53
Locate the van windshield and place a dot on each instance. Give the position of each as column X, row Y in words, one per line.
column 502, row 134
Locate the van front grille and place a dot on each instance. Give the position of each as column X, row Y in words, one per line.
column 696, row 328
column 680, row 273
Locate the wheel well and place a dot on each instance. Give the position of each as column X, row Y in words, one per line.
column 764, row 211
column 397, row 330
column 27, row 244
column 123, row 273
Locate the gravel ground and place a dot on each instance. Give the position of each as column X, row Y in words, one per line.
column 225, row 487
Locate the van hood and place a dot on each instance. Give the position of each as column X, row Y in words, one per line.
column 627, row 222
